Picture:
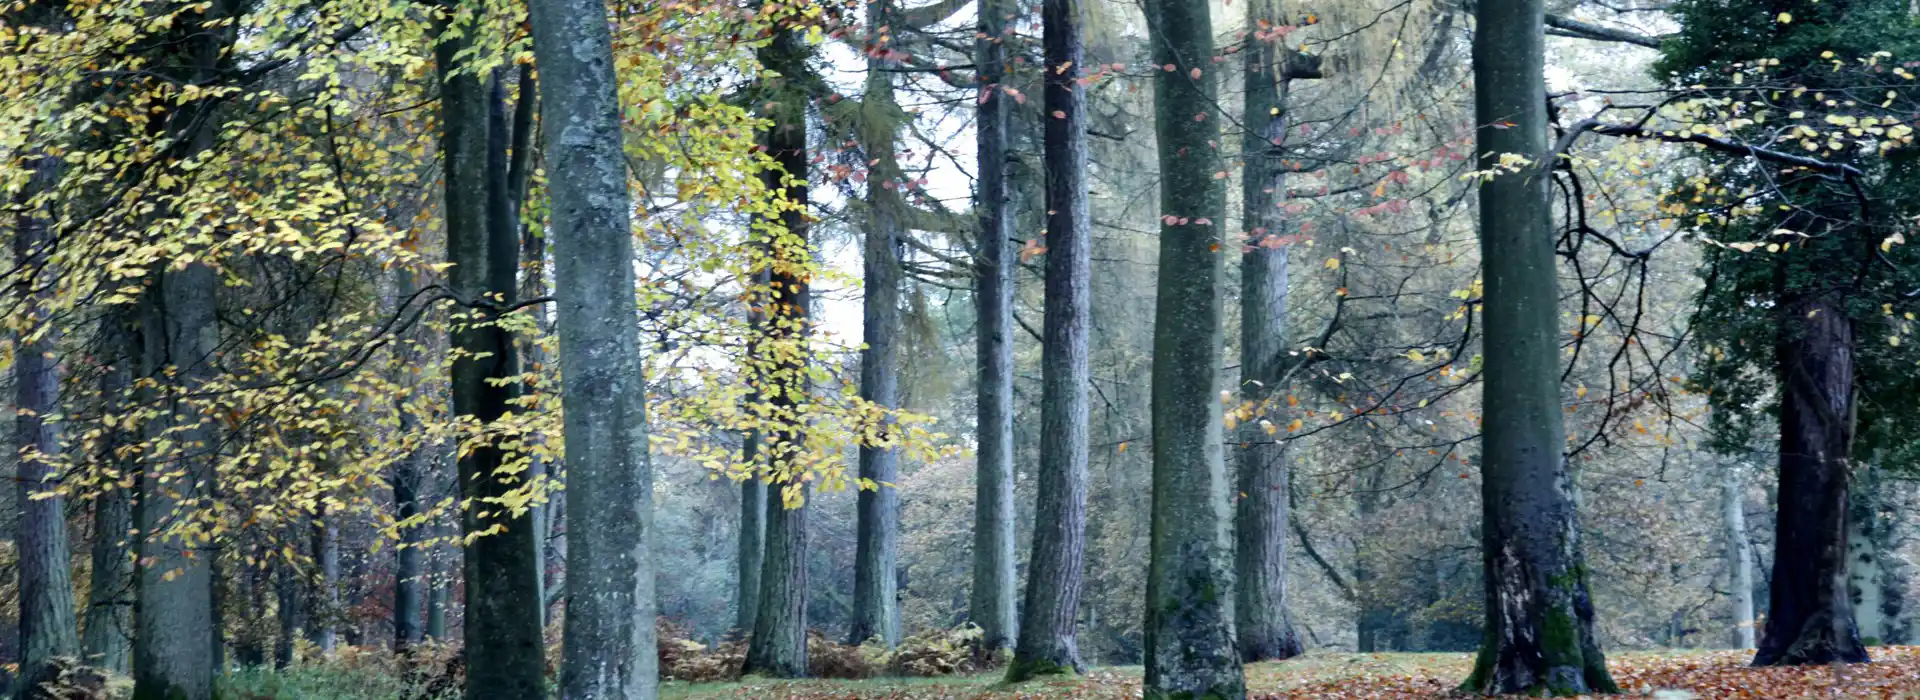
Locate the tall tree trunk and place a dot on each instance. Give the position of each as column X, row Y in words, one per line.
column 779, row 644
column 503, row 639
column 47, row 627
column 876, row 608
column 1260, row 519
column 1539, row 617
column 1055, row 568
column 753, row 538
column 1809, row 614
column 107, row 638
column 174, row 639
column 1190, row 639
column 1739, row 555
column 410, row 562
column 609, row 633
column 286, row 585
column 990, row 605
column 1872, row 587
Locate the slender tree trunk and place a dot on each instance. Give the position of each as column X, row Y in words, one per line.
column 410, row 561
column 779, row 644
column 1739, row 555
column 286, row 585
column 1868, row 566
column 876, row 609
column 990, row 604
column 503, row 640
column 1055, row 570
column 1809, row 614
column 323, row 595
column 1539, row 617
column 107, row 639
column 1260, row 519
column 1190, row 638
column 47, row 626
column 753, row 538
column 609, row 632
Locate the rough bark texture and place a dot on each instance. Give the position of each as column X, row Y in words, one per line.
column 47, row 626
column 609, row 635
column 990, row 605
column 1809, row 614
column 1054, row 571
column 779, row 644
column 1260, row 519
column 876, row 606
column 1739, row 556
column 1190, row 640
column 1539, row 617
column 504, row 654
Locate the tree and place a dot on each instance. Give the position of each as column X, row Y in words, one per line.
column 778, row 646
column 1054, row 574
column 504, row 648
column 1191, row 650
column 990, row 604
column 609, row 647
column 1733, row 504
column 876, row 608
column 1539, row 616
column 1260, row 517
column 47, row 628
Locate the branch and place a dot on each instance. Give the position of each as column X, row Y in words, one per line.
column 1577, row 29
column 1768, row 155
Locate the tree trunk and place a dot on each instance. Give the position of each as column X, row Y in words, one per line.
column 1538, row 634
column 779, row 644
column 107, row 638
column 876, row 608
column 1809, row 614
column 990, row 604
column 503, row 640
column 609, row 628
column 47, row 626
column 286, row 586
column 410, row 562
column 1260, row 520
column 323, row 595
column 1739, row 555
column 753, row 539
column 1055, row 569
column 1190, row 639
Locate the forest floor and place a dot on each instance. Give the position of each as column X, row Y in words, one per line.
column 1894, row 674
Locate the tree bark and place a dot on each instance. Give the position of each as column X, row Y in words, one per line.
column 876, row 607
column 47, row 626
column 503, row 640
column 323, row 594
column 1190, row 638
column 609, row 629
column 1809, row 614
column 990, row 604
column 1739, row 556
column 1260, row 520
column 753, row 539
column 107, row 638
column 410, row 561
column 778, row 646
column 174, row 654
column 1054, row 571
column 1539, row 616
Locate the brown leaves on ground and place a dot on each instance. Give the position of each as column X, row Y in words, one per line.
column 1677, row 675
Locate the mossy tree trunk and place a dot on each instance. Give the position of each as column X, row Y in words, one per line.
column 1538, row 634
column 1190, row 641
column 991, row 602
column 1055, row 570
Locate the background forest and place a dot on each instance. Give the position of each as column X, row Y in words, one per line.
column 1062, row 334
